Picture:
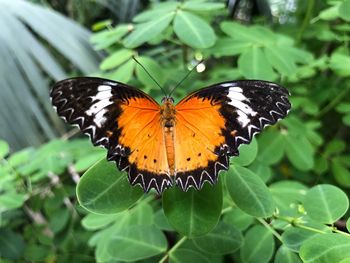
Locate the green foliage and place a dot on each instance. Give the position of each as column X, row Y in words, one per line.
column 284, row 199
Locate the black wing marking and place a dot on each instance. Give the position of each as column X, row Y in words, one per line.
column 247, row 107
column 93, row 104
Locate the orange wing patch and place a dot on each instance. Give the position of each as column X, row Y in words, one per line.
column 198, row 136
column 142, row 134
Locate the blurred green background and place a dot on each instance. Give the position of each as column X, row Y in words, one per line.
column 292, row 168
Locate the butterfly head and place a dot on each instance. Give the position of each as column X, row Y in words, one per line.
column 167, row 100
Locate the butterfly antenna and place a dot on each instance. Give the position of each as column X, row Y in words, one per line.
column 150, row 75
column 184, row 78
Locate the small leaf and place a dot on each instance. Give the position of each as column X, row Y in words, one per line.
column 253, row 64
column 108, row 37
column 193, row 213
column 340, row 172
column 247, row 154
column 249, row 193
column 325, row 248
column 299, row 151
column 146, row 31
column 229, row 47
column 105, row 190
column 224, row 239
column 348, row 224
column 124, row 72
column 294, row 237
column 156, row 11
column 258, row 245
column 95, row 221
column 87, row 161
column 11, row 244
column 238, row 219
column 271, row 147
column 116, row 59
column 193, row 31
column 262, row 170
column 344, row 10
column 285, row 255
column 282, row 63
column 153, row 68
column 137, row 242
column 4, row 149
column 202, row 6
column 161, row 221
column 326, row 203
column 340, row 64
column 187, row 255
column 343, row 107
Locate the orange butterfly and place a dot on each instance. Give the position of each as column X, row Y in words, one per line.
column 159, row 145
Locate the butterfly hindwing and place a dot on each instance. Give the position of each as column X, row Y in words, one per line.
column 222, row 117
column 120, row 118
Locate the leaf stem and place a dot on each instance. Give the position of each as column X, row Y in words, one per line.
column 163, row 259
column 272, row 230
column 306, row 20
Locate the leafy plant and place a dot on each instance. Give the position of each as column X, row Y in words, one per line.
column 284, row 199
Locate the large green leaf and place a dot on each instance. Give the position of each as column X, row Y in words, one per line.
column 285, row 255
column 224, row 239
column 193, row 213
column 258, row 245
column 137, row 242
column 105, row 190
column 146, row 31
column 193, row 30
column 11, row 244
column 253, row 65
column 325, row 248
column 299, row 151
column 326, row 203
column 187, row 255
column 249, row 193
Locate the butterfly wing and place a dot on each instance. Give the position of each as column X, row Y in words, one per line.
column 123, row 120
column 213, row 122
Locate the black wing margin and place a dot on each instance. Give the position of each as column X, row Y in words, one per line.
column 247, row 106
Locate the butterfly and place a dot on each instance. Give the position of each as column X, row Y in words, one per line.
column 160, row 145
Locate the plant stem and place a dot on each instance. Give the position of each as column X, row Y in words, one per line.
column 272, row 230
column 306, row 21
column 163, row 259
column 333, row 102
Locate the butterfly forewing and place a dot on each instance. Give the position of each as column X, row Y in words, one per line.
column 218, row 119
column 120, row 118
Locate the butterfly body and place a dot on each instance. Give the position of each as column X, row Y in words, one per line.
column 159, row 145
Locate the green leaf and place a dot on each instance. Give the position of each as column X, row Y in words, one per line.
column 95, row 221
column 271, row 147
column 202, row 6
column 258, row 245
column 108, row 37
column 115, row 59
column 161, row 221
column 85, row 162
column 330, row 13
column 156, row 11
column 193, row 31
column 343, row 107
column 146, row 31
column 285, row 255
column 277, row 58
column 187, row 255
column 238, row 219
column 11, row 244
column 193, row 213
column 340, row 172
column 249, row 192
column 153, row 68
column 326, row 203
column 299, row 151
column 59, row 219
column 137, row 242
column 247, row 154
column 344, row 10
column 229, row 47
column 224, row 239
column 253, row 64
column 105, row 190
column 340, row 64
column 261, row 169
column 325, row 248
column 348, row 224
column 11, row 200
column 286, row 193
column 4, row 149
column 294, row 237
column 124, row 72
